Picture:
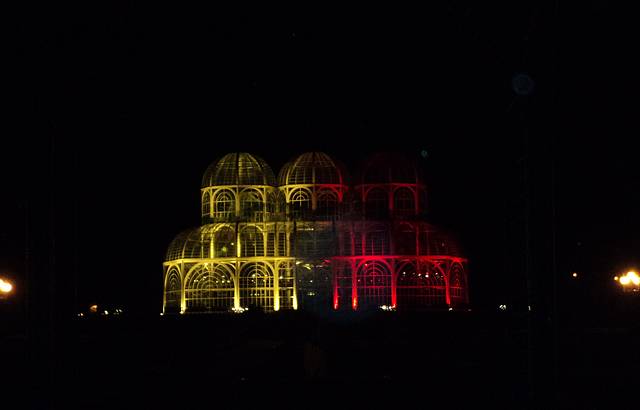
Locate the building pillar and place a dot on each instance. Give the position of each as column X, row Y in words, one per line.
column 354, row 285
column 236, row 287
column 183, row 300
column 334, row 275
column 394, row 283
column 276, row 287
column 446, row 283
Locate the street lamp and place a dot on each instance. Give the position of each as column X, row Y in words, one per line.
column 630, row 281
column 5, row 288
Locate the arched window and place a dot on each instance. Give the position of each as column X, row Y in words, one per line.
column 225, row 242
column 256, row 286
column 209, row 289
column 374, row 285
column 173, row 288
column 299, row 202
column 327, row 204
column 206, row 204
column 404, row 202
column 376, row 203
column 420, row 288
column 251, row 205
column 225, row 205
column 251, row 242
column 457, row 283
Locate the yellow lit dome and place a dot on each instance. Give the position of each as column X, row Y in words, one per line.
column 312, row 168
column 239, row 168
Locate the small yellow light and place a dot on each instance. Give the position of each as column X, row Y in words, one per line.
column 574, row 274
column 616, row 278
column 625, row 280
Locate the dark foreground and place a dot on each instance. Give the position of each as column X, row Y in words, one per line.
column 297, row 360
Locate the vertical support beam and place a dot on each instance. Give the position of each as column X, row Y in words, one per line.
column 236, row 286
column 390, row 200
column 164, row 291
column 354, row 285
column 394, row 283
column 183, row 300
column 416, row 199
column 446, row 273
column 276, row 286
column 295, row 287
column 238, row 244
column 334, row 275
column 237, row 195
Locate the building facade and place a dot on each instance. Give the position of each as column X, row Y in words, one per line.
column 312, row 239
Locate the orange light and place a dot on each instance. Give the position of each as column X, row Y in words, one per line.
column 574, row 274
column 616, row 278
column 5, row 286
column 93, row 308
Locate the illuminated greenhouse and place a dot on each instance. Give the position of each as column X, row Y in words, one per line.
column 313, row 239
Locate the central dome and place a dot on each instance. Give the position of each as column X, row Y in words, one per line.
column 311, row 168
column 239, row 168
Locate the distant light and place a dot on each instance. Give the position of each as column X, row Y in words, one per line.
column 574, row 274
column 5, row 286
column 630, row 277
column 616, row 278
column 106, row 312
column 93, row 308
column 502, row 307
column 450, row 309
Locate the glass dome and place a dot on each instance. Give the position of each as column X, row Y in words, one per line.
column 312, row 168
column 239, row 168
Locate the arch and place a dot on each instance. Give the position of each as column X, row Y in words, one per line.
column 404, row 202
column 457, row 283
column 376, row 203
column 251, row 241
column 224, row 204
column 374, row 284
column 225, row 242
column 420, row 286
column 252, row 204
column 299, row 202
column 256, row 286
column 327, row 203
column 209, row 288
column 173, row 290
column 206, row 204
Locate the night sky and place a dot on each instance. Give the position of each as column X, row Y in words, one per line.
column 128, row 105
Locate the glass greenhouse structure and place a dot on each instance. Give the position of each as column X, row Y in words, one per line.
column 313, row 239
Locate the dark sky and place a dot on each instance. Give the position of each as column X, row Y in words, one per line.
column 132, row 102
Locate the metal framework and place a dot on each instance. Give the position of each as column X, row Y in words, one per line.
column 311, row 239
